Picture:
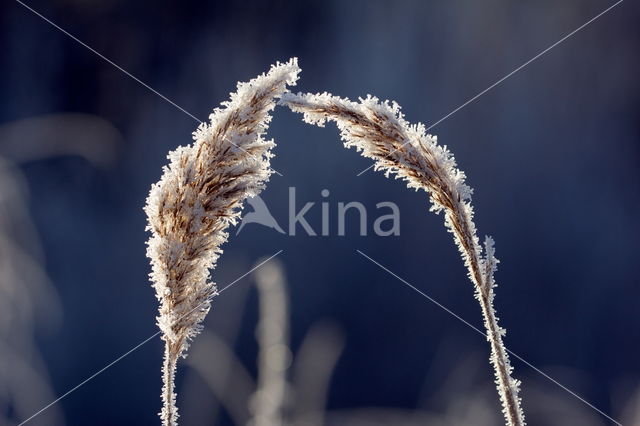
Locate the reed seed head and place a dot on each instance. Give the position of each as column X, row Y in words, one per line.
column 199, row 195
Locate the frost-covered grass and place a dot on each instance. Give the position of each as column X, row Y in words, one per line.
column 201, row 193
column 379, row 131
column 198, row 197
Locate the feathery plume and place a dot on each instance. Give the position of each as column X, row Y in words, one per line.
column 199, row 195
column 379, row 131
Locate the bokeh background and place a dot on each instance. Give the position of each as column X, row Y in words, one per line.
column 553, row 154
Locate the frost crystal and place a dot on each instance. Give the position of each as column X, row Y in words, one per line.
column 379, row 131
column 199, row 195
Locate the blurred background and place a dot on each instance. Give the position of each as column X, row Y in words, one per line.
column 553, row 154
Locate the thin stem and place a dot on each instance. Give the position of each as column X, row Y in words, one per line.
column 506, row 387
column 500, row 362
column 169, row 412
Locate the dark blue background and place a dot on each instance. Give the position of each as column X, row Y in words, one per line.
column 553, row 154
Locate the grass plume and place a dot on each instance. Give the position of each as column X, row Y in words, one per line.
column 379, row 131
column 199, row 195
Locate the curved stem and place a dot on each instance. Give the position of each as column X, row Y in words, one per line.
column 500, row 361
column 378, row 131
column 506, row 386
